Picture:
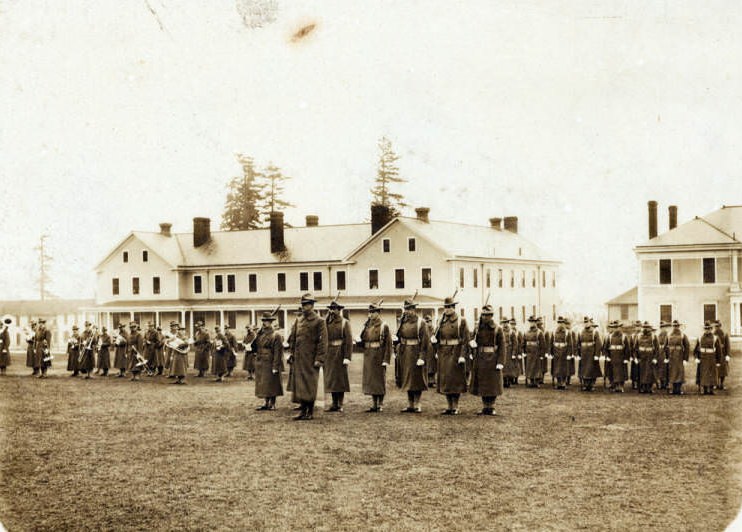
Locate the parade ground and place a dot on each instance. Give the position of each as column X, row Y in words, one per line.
column 110, row 454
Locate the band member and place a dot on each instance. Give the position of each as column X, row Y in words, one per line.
column 452, row 348
column 589, row 349
column 617, row 356
column 30, row 335
column 534, row 343
column 661, row 370
column 88, row 345
column 150, row 346
column 120, row 343
column 73, row 352
column 677, row 352
column 160, row 351
column 489, row 347
column 104, row 356
column 376, row 340
column 219, row 351
column 4, row 345
column 413, row 343
column 708, row 354
column 561, row 353
column 310, row 347
column 42, row 345
column 202, row 345
column 726, row 352
column 268, row 348
column 250, row 335
column 179, row 356
column 231, row 344
column 134, row 347
column 648, row 352
column 167, row 351
column 431, row 362
column 339, row 352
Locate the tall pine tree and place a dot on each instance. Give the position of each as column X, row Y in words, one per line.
column 387, row 173
column 245, row 198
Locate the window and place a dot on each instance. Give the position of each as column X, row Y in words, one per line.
column 533, row 278
column 231, row 282
column 666, row 313
column 135, row 285
column 665, row 271
column 709, row 312
column 499, row 278
column 500, row 313
column 553, row 312
column 303, row 281
column 340, row 280
column 218, row 284
column 543, row 279
column 373, row 279
column 115, row 286
column 476, row 314
column 399, row 278
column 488, row 278
column 145, row 255
column 411, row 244
column 475, row 280
column 709, row 271
column 155, row 285
column 512, row 278
column 523, row 278
column 252, row 283
column 126, row 256
column 461, row 277
column 427, row 280
column 281, row 280
column 317, row 280
column 523, row 313
column 230, row 318
column 553, row 279
column 196, row 284
column 624, row 312
column 386, row 245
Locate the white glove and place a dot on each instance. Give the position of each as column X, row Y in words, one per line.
column 718, row 365
column 346, row 362
column 473, row 344
column 248, row 348
column 727, row 358
column 384, row 364
column 433, row 340
column 597, row 358
column 462, row 360
column 420, row 362
column 626, row 361
column 513, row 357
column 667, row 361
column 436, row 356
column 607, row 359
column 685, row 362
column 471, row 357
column 549, row 357
column 654, row 361
column 578, row 358
column 521, row 356
column 358, row 339
column 285, row 345
column 394, row 338
column 499, row 366
column 697, row 361
column 275, row 372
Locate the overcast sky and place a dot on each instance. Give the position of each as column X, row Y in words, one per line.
column 119, row 115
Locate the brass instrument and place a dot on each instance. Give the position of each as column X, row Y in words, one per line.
column 142, row 362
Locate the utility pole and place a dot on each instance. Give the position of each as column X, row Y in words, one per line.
column 44, row 260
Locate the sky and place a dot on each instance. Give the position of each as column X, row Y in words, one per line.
column 116, row 116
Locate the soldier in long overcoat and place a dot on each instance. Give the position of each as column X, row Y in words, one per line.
column 339, row 352
column 452, row 345
column 547, row 346
column 104, row 355
column 231, row 356
column 634, row 373
column 534, row 348
column 431, row 362
column 134, row 347
column 150, row 345
column 289, row 345
column 677, row 353
column 376, row 341
column 510, row 372
column 561, row 353
column 489, row 361
column 517, row 343
column 42, row 345
column 268, row 348
column 648, row 352
column 708, row 355
column 589, row 351
column 248, row 363
column 310, row 348
column 179, row 356
column 29, row 349
column 661, row 370
column 571, row 357
column 726, row 353
column 220, row 350
column 88, row 346
column 201, row 346
column 617, row 356
column 4, row 345
column 412, row 346
column 160, row 351
column 73, row 352
column 119, row 356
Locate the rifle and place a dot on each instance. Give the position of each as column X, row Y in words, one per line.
column 87, row 347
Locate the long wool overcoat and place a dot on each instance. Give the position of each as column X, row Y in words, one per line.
column 377, row 349
column 339, row 347
column 486, row 379
column 310, row 347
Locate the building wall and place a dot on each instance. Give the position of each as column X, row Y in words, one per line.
column 614, row 313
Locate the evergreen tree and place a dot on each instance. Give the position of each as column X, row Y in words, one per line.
column 244, row 199
column 274, row 181
column 387, row 173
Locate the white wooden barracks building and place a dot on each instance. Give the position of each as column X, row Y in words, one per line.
column 230, row 277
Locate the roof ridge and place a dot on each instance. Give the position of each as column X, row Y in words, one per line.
column 268, row 228
column 715, row 227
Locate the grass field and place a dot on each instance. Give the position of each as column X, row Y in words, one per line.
column 111, row 454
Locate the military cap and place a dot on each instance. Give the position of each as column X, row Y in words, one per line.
column 335, row 305
column 450, row 302
column 267, row 316
column 75, row 328
column 487, row 310
column 560, row 320
column 585, row 319
column 664, row 324
column 122, row 325
column 104, row 328
column 181, row 328
column 567, row 321
column 226, row 326
column 374, row 307
column 613, row 325
column 504, row 321
column 540, row 319
column 216, row 327
column 646, row 325
column 513, row 322
column 717, row 322
column 158, row 328
column 175, row 323
column 409, row 303
column 707, row 325
column 42, row 320
column 638, row 323
column 133, row 324
column 675, row 323
column 308, row 298
column 532, row 319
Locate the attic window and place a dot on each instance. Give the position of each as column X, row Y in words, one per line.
column 126, row 256
column 520, row 252
column 145, row 255
column 411, row 244
column 386, row 245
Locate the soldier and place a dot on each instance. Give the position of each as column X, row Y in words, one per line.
column 634, row 369
column 179, row 356
column 708, row 355
column 268, row 348
column 561, row 348
column 534, row 348
column 88, row 344
column 589, row 349
column 231, row 348
column 134, row 347
column 617, row 356
column 544, row 360
column 452, row 344
column 677, row 351
column 647, row 349
column 4, row 345
column 490, row 349
column 119, row 359
column 413, row 345
column 310, row 347
column 250, row 335
column 661, row 370
column 29, row 349
column 104, row 357
column 519, row 347
column 339, row 350
column 290, row 344
column 73, row 352
column 202, row 345
column 151, row 340
column 726, row 352
column 510, row 372
column 160, row 351
column 376, row 340
column 432, row 362
column 41, row 346
column 571, row 357
column 219, row 349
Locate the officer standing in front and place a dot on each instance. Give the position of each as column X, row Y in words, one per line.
column 310, row 348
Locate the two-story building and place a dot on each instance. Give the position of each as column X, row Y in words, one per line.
column 691, row 272
column 230, row 277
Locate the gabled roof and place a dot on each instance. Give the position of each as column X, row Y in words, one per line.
column 720, row 227
column 629, row 297
column 458, row 240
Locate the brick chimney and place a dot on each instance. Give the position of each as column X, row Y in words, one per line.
column 496, row 223
column 380, row 216
column 422, row 214
column 312, row 220
column 165, row 229
column 511, row 224
column 652, row 211
column 276, row 225
column 672, row 212
column 201, row 231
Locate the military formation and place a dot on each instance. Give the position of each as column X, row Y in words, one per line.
column 447, row 356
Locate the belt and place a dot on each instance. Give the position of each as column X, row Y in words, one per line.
column 588, row 343
column 616, row 347
column 646, row 349
column 409, row 341
column 449, row 342
column 488, row 349
column 708, row 350
column 368, row 345
column 560, row 344
column 531, row 343
column 335, row 342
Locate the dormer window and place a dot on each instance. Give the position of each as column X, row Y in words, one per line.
column 411, row 244
column 125, row 256
column 145, row 255
column 386, row 245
